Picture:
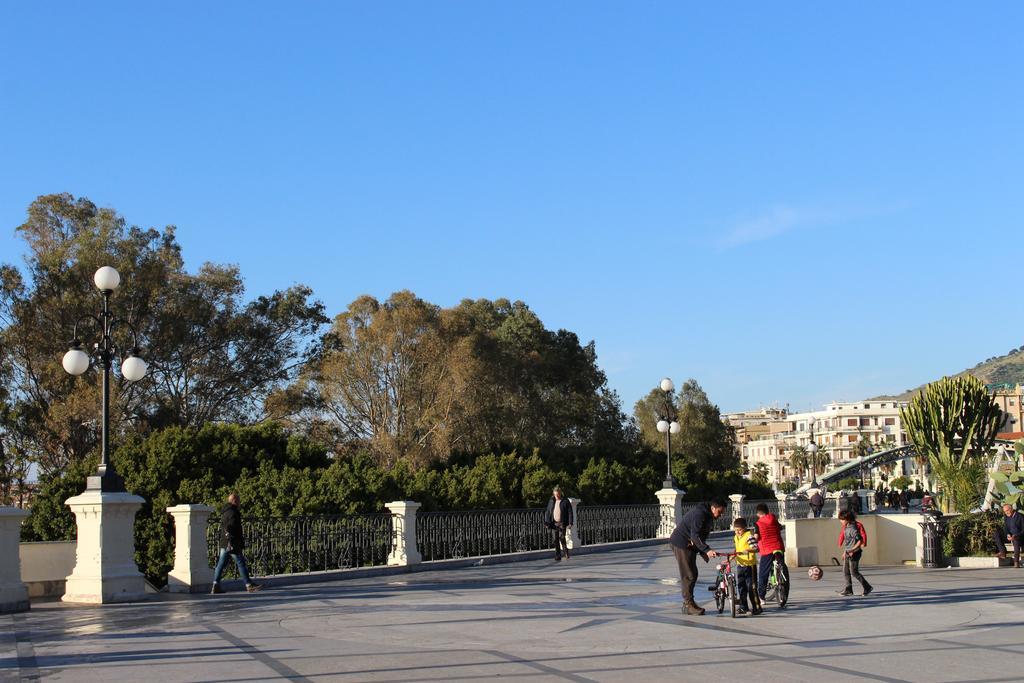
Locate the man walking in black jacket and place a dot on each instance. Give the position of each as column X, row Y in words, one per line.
column 689, row 540
column 558, row 518
column 232, row 542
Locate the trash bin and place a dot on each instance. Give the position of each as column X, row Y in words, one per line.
column 933, row 529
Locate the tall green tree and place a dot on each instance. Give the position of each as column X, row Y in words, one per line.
column 418, row 382
column 212, row 355
column 704, row 440
column 954, row 422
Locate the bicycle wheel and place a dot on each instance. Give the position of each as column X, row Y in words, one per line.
column 732, row 595
column 720, row 599
column 781, row 584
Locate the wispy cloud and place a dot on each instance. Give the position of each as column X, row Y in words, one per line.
column 782, row 219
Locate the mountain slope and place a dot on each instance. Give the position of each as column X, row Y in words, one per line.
column 1008, row 369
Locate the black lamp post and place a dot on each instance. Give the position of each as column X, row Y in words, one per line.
column 812, row 451
column 76, row 361
column 668, row 426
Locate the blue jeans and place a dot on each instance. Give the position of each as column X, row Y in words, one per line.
column 764, row 569
column 243, row 571
column 746, row 580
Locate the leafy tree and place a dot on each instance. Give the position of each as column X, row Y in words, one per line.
column 703, row 440
column 211, row 355
column 900, row 483
column 954, row 422
column 799, row 460
column 417, row 382
column 759, row 474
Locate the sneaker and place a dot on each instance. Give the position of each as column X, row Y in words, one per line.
column 254, row 587
column 868, row 588
column 216, row 590
column 741, row 610
column 558, row 559
column 846, row 591
column 756, row 611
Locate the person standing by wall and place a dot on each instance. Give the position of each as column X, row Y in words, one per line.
column 689, row 540
column 1013, row 532
column 558, row 518
column 852, row 539
column 232, row 542
column 817, row 503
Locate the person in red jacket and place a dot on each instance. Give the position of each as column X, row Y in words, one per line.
column 769, row 541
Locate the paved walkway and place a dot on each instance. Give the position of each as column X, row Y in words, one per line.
column 604, row 617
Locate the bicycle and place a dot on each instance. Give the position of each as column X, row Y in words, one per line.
column 778, row 580
column 725, row 585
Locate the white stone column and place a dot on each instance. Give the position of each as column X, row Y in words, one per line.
column 572, row 540
column 835, row 496
column 783, row 512
column 192, row 572
column 403, row 521
column 13, row 593
column 866, row 496
column 671, row 510
column 105, row 569
column 735, row 507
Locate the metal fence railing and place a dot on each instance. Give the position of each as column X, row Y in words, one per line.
column 293, row 545
column 750, row 506
column 614, row 523
column 474, row 533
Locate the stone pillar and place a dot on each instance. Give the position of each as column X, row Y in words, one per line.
column 192, row 572
column 13, row 594
column 835, row 496
column 105, row 569
column 572, row 540
column 783, row 509
column 403, row 545
column 735, row 507
column 671, row 510
column 866, row 496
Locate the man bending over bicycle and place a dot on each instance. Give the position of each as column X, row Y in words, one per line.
column 769, row 542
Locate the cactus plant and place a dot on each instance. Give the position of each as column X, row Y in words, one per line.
column 953, row 422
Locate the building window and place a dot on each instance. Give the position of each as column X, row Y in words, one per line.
column 865, row 421
column 890, row 421
column 852, row 438
column 852, row 422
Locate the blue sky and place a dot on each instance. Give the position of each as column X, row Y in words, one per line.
column 790, row 202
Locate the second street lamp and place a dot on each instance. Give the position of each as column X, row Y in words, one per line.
column 668, row 426
column 76, row 361
column 812, row 451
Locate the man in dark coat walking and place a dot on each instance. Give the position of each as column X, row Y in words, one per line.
column 232, row 542
column 817, row 503
column 689, row 540
column 558, row 518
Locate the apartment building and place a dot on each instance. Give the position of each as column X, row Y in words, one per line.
column 1010, row 398
column 753, row 424
column 836, row 429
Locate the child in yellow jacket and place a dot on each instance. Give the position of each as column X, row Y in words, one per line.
column 746, row 567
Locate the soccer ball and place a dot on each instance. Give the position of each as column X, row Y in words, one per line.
column 815, row 573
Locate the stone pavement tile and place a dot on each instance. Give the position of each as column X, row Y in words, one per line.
column 608, row 617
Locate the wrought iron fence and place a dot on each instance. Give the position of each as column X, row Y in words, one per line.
column 613, row 523
column 750, row 507
column 293, row 545
column 798, row 509
column 473, row 533
column 829, row 508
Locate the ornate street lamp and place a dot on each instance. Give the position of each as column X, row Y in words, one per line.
column 668, row 426
column 812, row 452
column 133, row 368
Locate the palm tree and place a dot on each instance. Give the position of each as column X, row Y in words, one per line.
column 799, row 460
